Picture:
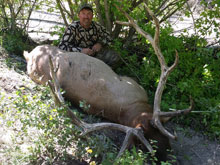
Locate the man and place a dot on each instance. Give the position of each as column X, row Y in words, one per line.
column 88, row 37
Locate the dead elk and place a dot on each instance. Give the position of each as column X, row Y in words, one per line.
column 119, row 99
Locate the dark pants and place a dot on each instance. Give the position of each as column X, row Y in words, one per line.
column 109, row 56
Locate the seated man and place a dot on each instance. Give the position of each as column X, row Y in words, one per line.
column 88, row 37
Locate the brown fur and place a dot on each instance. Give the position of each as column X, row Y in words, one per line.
column 119, row 99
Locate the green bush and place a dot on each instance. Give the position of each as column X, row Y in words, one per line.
column 16, row 42
column 47, row 131
column 58, row 31
column 44, row 133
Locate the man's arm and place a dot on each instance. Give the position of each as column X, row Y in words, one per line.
column 97, row 47
column 104, row 36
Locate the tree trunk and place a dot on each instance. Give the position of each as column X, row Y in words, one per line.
column 62, row 13
column 108, row 20
column 99, row 14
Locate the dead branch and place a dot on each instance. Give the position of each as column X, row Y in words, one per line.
column 3, row 13
column 118, row 27
column 29, row 14
column 88, row 128
column 123, row 23
column 20, row 8
column 66, row 11
column 174, row 8
column 71, row 9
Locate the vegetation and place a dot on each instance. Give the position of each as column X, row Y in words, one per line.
column 55, row 138
column 197, row 75
column 14, row 19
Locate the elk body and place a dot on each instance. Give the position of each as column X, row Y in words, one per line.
column 84, row 78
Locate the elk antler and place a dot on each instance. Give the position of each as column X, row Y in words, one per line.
column 87, row 128
column 165, row 71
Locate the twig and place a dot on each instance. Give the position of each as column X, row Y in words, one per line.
column 196, row 154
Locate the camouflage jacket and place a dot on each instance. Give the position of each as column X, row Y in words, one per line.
column 76, row 37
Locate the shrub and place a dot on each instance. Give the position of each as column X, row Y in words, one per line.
column 16, row 42
column 44, row 134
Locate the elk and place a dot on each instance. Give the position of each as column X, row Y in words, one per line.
column 117, row 98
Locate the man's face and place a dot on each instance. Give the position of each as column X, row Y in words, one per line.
column 85, row 17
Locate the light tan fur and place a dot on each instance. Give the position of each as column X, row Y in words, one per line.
column 84, row 78
column 87, row 78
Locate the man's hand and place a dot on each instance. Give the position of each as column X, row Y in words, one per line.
column 88, row 51
column 97, row 47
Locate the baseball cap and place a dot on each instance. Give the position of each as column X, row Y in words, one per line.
column 85, row 6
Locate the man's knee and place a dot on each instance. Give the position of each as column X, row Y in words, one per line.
column 109, row 56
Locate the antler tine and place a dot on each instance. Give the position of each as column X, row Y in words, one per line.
column 137, row 132
column 55, row 89
column 130, row 132
column 88, row 128
column 178, row 112
column 157, row 123
column 126, row 143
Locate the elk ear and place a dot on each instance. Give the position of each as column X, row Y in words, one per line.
column 141, row 125
column 165, row 119
column 26, row 55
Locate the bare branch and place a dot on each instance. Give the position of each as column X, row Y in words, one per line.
column 65, row 10
column 13, row 16
column 193, row 18
column 123, row 23
column 132, row 22
column 118, row 27
column 160, row 7
column 4, row 16
column 62, row 13
column 171, row 11
column 71, row 8
column 20, row 7
column 29, row 14
column 135, row 4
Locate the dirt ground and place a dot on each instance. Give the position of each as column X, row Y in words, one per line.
column 192, row 148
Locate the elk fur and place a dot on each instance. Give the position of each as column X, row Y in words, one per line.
column 83, row 78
